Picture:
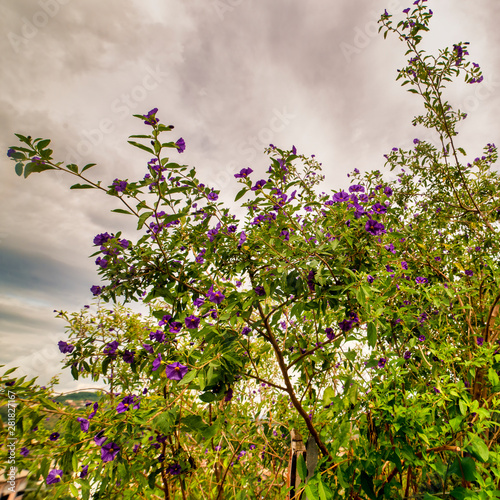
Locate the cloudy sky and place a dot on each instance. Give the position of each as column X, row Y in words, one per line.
column 232, row 76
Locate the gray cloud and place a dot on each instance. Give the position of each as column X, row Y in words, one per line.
column 232, row 76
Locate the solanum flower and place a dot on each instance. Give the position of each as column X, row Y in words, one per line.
column 176, row 371
column 244, row 172
column 109, row 452
column 65, row 348
column 84, row 424
column 181, row 145
column 54, row 476
column 127, row 402
column 192, row 322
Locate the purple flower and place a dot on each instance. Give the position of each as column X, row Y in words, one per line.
column 65, row 348
column 415, row 141
column 128, row 356
column 192, row 322
column 54, row 436
column 150, row 118
column 390, row 248
column 101, row 262
column 340, row 197
column 329, row 333
column 175, row 327
column 346, row 324
column 157, row 362
column 382, row 362
column 198, row 302
column 375, row 228
column 99, row 438
column 85, row 471
column 101, row 239
column 379, row 208
column 176, row 371
column 260, row 291
column 388, row 191
column 421, row 338
column 109, row 452
column 95, row 407
column 243, row 238
column 404, row 265
column 84, row 424
column 148, row 347
column 259, row 185
column 421, row 280
column 174, row 469
column 181, row 145
column 199, row 258
column 479, row 341
column 407, row 355
column 406, row 10
column 119, row 186
column 126, row 403
column 244, row 172
column 246, row 330
column 370, row 279
column 96, row 290
column 24, row 452
column 468, row 272
column 54, row 476
column 215, row 297
column 111, row 348
column 212, row 196
column 356, row 188
column 159, row 336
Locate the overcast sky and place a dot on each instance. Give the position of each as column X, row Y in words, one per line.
column 232, row 76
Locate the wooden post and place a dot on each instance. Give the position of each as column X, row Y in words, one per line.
column 297, row 448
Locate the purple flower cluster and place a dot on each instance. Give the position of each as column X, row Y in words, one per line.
column 65, row 348
column 150, row 117
column 127, row 402
column 119, row 186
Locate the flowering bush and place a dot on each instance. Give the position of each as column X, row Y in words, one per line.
column 365, row 319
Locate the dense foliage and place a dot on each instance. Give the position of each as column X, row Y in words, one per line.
column 366, row 319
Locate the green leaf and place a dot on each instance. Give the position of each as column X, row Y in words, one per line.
column 143, row 218
column 188, row 378
column 72, row 168
column 478, row 448
column 141, row 146
column 371, row 335
column 301, row 467
column 322, row 491
column 31, row 168
column 43, row 144
column 86, row 167
column 367, row 485
column 463, row 407
column 74, row 490
column 82, row 186
column 152, row 479
column 121, row 211
column 19, row 169
column 207, row 397
column 431, row 497
column 241, row 193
